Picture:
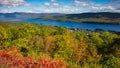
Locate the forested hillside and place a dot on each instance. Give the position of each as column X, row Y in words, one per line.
column 100, row 17
column 27, row 45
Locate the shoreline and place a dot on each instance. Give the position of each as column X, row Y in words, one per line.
column 99, row 30
column 96, row 30
column 82, row 22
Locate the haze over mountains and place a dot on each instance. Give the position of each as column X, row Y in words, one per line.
column 80, row 15
column 26, row 15
column 100, row 17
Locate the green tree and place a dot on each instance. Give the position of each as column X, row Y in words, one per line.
column 3, row 37
column 28, row 30
column 96, row 40
column 110, row 61
column 61, row 31
column 108, row 38
column 3, row 34
column 62, row 47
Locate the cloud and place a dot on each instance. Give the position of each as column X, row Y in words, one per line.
column 80, row 3
column 78, row 6
column 115, row 3
column 91, row 6
column 47, row 4
column 83, row 3
column 53, row 0
column 60, row 6
column 112, row 6
column 5, row 11
column 13, row 3
column 55, row 4
column 29, row 11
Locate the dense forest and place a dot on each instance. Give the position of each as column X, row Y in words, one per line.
column 28, row 45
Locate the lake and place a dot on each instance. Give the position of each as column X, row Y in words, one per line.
column 79, row 25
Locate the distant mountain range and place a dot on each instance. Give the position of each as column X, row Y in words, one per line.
column 95, row 15
column 101, row 17
column 26, row 15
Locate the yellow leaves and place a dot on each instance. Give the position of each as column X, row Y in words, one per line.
column 3, row 34
column 116, row 50
column 75, row 47
column 93, row 55
column 36, row 41
column 118, row 61
column 3, row 37
column 28, row 30
column 49, row 44
column 49, row 40
column 21, row 42
column 80, row 51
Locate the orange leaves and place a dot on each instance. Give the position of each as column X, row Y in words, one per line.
column 49, row 44
column 44, row 63
column 80, row 51
column 11, row 58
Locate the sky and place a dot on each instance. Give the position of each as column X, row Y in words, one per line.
column 59, row 6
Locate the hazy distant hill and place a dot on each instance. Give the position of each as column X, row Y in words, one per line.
column 26, row 15
column 95, row 15
column 102, row 17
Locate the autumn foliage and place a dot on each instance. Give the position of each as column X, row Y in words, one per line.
column 12, row 58
column 28, row 45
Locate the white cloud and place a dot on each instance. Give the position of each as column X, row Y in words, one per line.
column 110, row 7
column 47, row 4
column 103, row 7
column 55, row 4
column 53, row 0
column 91, row 6
column 29, row 11
column 80, row 3
column 5, row 11
column 76, row 6
column 13, row 3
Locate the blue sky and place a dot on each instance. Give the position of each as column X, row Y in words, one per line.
column 101, row 1
column 59, row 6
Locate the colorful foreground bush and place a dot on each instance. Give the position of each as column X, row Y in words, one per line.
column 11, row 58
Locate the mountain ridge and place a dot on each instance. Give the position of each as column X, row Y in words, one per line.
column 94, row 17
column 102, row 17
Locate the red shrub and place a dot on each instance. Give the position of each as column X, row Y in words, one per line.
column 12, row 58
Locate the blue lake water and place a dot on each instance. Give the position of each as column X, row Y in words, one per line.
column 89, row 26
